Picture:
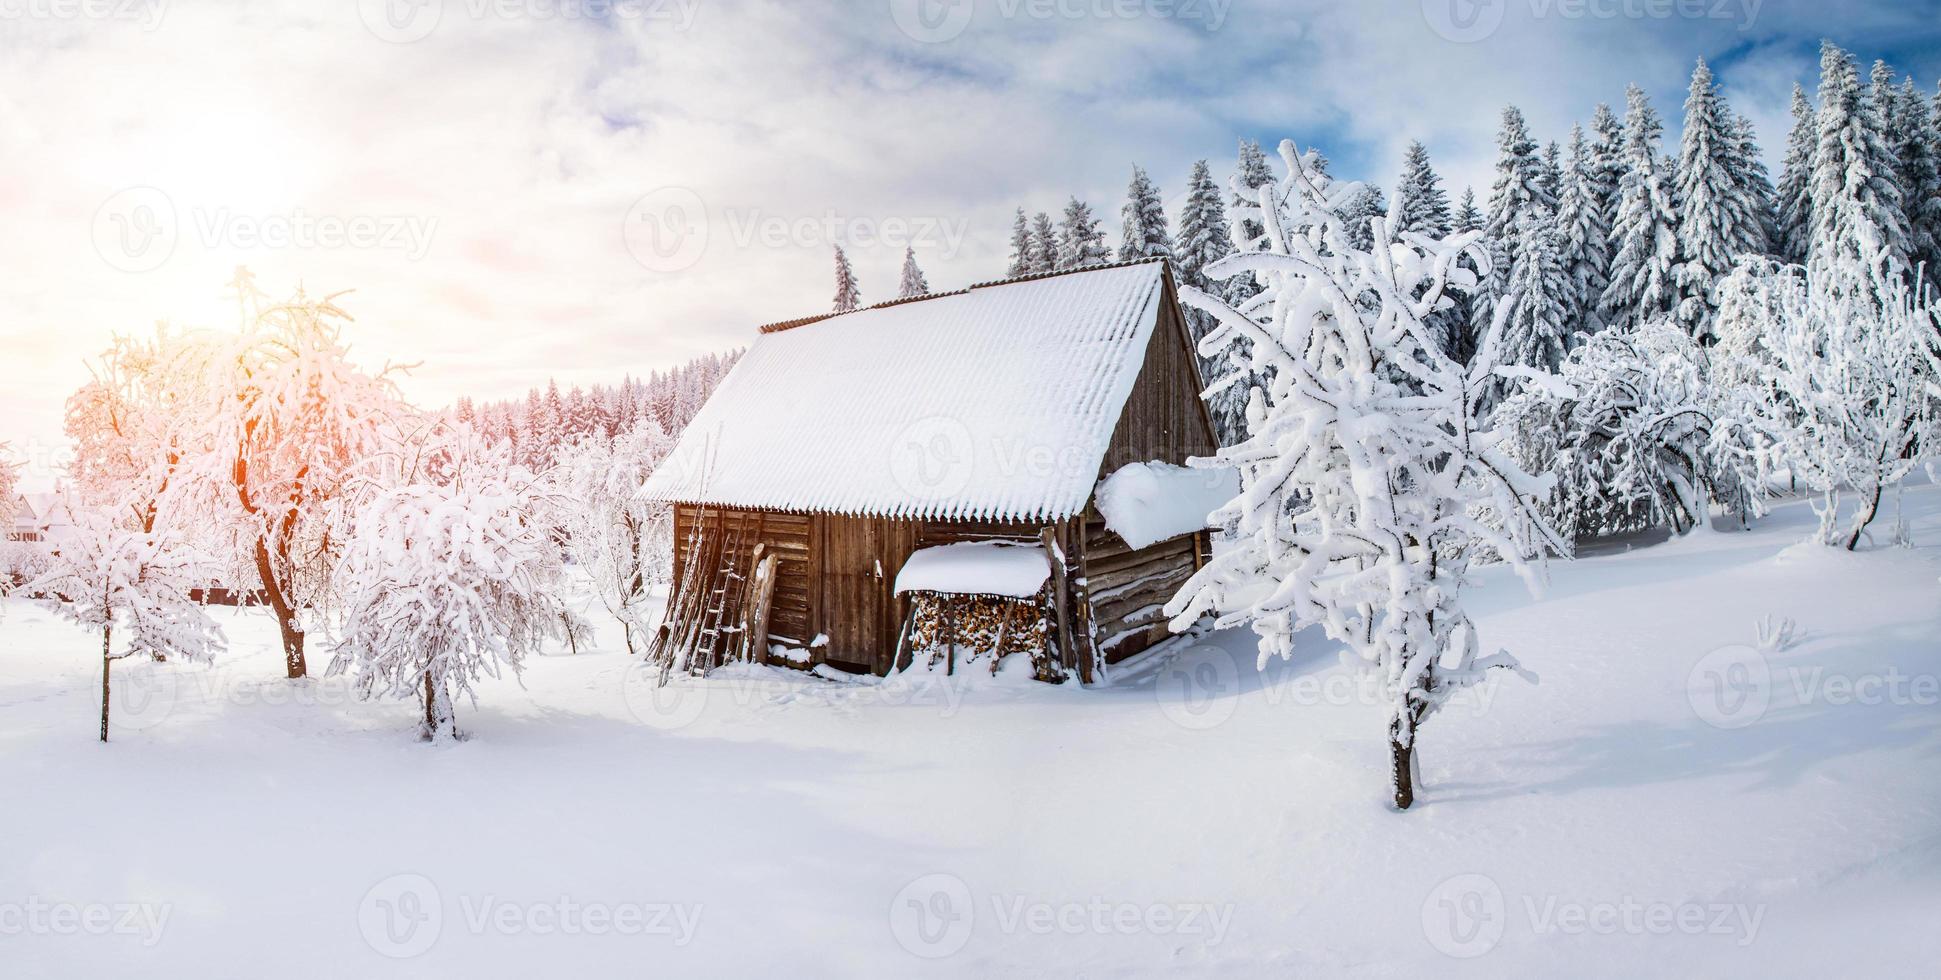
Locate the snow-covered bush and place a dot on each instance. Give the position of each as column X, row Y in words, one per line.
column 1631, row 435
column 105, row 575
column 448, row 573
column 1366, row 486
column 1850, row 371
column 623, row 543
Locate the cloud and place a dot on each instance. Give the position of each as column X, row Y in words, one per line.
column 521, row 136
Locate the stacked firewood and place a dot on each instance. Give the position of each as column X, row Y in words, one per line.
column 952, row 631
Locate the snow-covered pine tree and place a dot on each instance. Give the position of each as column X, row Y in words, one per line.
column 848, row 295
column 1584, row 238
column 1520, row 192
column 1533, row 312
column 1358, row 214
column 913, row 283
column 1757, row 226
column 1363, row 471
column 1793, row 206
column 106, row 575
column 1857, row 212
column 1553, row 170
column 1251, row 174
column 1644, row 237
column 448, row 575
column 1424, row 205
column 1713, row 202
column 1467, row 217
column 1606, row 172
column 1045, row 246
column 1920, row 177
column 1023, row 251
column 1204, row 238
column 1081, row 242
column 1143, row 230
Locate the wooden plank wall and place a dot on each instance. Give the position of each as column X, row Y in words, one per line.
column 788, row 536
column 1164, row 418
column 1126, row 589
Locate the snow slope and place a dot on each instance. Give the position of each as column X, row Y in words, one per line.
column 1193, row 817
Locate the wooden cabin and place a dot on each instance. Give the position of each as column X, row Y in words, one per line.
column 840, row 445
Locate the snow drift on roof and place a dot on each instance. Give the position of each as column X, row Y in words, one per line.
column 976, row 568
column 1146, row 503
column 993, row 403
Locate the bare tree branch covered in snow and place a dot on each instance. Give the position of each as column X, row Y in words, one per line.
column 448, row 575
column 1367, row 488
column 1848, row 355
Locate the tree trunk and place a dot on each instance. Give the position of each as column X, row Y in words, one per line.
column 107, row 634
column 1401, row 765
column 1869, row 507
column 431, row 711
column 286, row 614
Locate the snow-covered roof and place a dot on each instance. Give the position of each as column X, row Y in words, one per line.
column 976, row 568
column 996, row 402
column 40, row 510
column 1146, row 503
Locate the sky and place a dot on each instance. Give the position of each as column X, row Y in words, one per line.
column 583, row 189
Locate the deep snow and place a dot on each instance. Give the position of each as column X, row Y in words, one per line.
column 1627, row 816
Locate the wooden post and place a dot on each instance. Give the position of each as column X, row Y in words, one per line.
column 1052, row 539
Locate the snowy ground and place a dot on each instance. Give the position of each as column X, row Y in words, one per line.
column 1648, row 809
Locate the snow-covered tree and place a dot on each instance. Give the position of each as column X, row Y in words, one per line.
column 1203, row 239
column 1363, row 206
column 1717, row 215
column 1532, row 313
column 448, row 574
column 1143, row 229
column 1919, row 148
column 1793, row 208
column 1851, row 359
column 1644, row 236
column 1857, row 211
column 913, row 283
column 1467, row 218
column 1364, row 480
column 848, row 295
column 1424, row 207
column 270, row 425
column 1757, row 226
column 1023, row 247
column 623, row 543
column 1081, row 242
column 1631, row 435
column 1045, row 245
column 135, row 587
column 1584, row 237
column 1520, row 198
column 1253, row 173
